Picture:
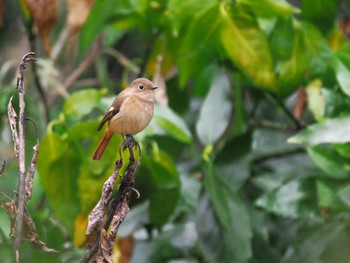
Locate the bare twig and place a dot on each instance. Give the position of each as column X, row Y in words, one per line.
column 296, row 122
column 21, row 153
column 83, row 66
column 102, row 247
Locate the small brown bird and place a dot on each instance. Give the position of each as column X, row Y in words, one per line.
column 131, row 112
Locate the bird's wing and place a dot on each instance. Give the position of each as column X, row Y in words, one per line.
column 115, row 108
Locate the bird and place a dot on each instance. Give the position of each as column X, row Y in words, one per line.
column 131, row 112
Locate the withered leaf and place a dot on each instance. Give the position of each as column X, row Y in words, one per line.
column 44, row 13
column 12, row 115
column 105, row 251
column 78, row 11
column 29, row 229
column 30, row 173
column 97, row 214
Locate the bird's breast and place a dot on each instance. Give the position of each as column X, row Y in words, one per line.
column 134, row 115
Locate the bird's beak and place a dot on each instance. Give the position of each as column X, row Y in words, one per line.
column 154, row 87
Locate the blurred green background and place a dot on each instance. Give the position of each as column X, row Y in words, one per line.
column 247, row 158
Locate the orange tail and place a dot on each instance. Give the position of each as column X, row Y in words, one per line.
column 102, row 145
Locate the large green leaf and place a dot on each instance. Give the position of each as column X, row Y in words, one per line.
column 330, row 194
column 330, row 131
column 172, row 123
column 58, row 164
column 328, row 161
column 200, row 43
column 286, row 200
column 298, row 48
column 342, row 74
column 223, row 223
column 270, row 8
column 164, row 184
column 82, row 102
column 247, row 46
column 92, row 28
column 322, row 13
column 215, row 111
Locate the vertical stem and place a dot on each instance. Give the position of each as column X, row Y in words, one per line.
column 21, row 156
column 21, row 160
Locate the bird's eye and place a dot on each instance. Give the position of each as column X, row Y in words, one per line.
column 141, row 87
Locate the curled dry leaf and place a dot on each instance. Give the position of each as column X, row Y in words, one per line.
column 30, row 173
column 118, row 218
column 12, row 115
column 44, row 13
column 97, row 214
column 105, row 252
column 78, row 11
column 11, row 210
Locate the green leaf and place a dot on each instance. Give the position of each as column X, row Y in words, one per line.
column 58, row 165
column 321, row 13
column 233, row 231
column 247, row 46
column 342, row 74
column 298, row 48
column 328, row 195
column 172, row 123
column 330, row 131
column 270, row 8
column 328, row 242
column 92, row 28
column 200, row 42
column 216, row 109
column 329, row 162
column 164, row 182
column 286, row 200
column 181, row 12
column 82, row 102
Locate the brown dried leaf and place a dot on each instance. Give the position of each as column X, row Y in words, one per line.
column 105, row 251
column 11, row 210
column 44, row 13
column 29, row 229
column 97, row 214
column 30, row 173
column 31, row 234
column 118, row 218
column 12, row 115
column 78, row 11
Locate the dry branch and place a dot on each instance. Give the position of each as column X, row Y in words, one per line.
column 102, row 248
column 22, row 224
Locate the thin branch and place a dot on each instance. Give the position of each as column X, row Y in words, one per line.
column 296, row 122
column 21, row 156
column 83, row 66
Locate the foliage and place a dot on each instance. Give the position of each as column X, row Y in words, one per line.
column 247, row 156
